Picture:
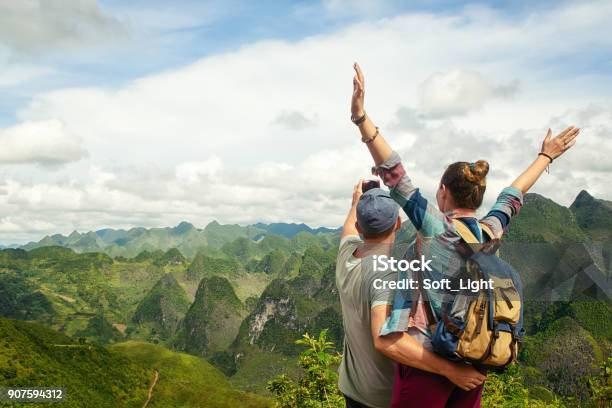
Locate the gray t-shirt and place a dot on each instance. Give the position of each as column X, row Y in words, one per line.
column 366, row 375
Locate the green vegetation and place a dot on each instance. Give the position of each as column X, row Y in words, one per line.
column 240, row 296
column 185, row 380
column 129, row 243
column 543, row 220
column 206, row 266
column 548, row 351
column 162, row 309
column 594, row 216
column 20, row 300
column 32, row 355
column 212, row 321
column 318, row 385
column 601, row 385
column 508, row 390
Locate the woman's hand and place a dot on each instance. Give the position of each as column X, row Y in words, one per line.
column 556, row 146
column 552, row 147
column 357, row 109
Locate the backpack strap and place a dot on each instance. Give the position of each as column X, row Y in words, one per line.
column 470, row 239
column 429, row 312
column 464, row 232
column 487, row 230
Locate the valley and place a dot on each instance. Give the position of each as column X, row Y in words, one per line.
column 224, row 304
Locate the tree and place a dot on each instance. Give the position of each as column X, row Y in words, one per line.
column 318, row 387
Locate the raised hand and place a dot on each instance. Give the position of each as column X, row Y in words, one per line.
column 556, row 146
column 357, row 191
column 552, row 147
column 357, row 109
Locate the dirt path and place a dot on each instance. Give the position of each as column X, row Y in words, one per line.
column 155, row 378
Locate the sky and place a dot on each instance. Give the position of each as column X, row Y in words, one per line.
column 147, row 113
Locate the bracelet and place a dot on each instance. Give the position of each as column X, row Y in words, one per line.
column 546, row 155
column 370, row 140
column 358, row 121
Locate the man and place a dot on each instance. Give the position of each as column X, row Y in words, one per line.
column 366, row 375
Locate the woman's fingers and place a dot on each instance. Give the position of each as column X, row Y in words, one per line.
column 565, row 132
column 571, row 135
column 359, row 73
column 358, row 86
column 570, row 144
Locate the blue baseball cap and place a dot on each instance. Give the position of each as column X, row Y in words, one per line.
column 376, row 211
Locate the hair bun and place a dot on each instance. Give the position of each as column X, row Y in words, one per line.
column 481, row 169
column 477, row 172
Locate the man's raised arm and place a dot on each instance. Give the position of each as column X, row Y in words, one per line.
column 349, row 227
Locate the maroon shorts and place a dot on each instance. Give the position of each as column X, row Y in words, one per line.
column 416, row 388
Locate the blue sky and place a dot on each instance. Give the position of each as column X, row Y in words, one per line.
column 146, row 113
column 163, row 35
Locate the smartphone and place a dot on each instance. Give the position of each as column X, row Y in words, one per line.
column 369, row 184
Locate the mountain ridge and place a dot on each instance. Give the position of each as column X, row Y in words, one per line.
column 184, row 236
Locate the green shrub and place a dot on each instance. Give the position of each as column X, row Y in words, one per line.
column 508, row 390
column 601, row 386
column 318, row 387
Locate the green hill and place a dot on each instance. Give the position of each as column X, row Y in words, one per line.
column 32, row 355
column 272, row 263
column 171, row 257
column 594, row 216
column 290, row 230
column 185, row 380
column 162, row 308
column 543, row 220
column 20, row 300
column 129, row 243
column 563, row 353
column 204, row 266
column 285, row 310
column 212, row 321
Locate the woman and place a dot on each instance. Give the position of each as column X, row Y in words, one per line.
column 459, row 195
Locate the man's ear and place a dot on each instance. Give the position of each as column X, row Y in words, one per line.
column 398, row 223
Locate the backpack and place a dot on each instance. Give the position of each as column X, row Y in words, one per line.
column 482, row 327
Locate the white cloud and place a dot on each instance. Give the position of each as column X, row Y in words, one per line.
column 460, row 91
column 39, row 25
column 262, row 132
column 193, row 172
column 17, row 74
column 293, row 120
column 47, row 143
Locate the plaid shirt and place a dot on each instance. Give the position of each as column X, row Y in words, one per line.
column 438, row 237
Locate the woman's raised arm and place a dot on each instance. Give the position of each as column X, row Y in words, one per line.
column 552, row 147
column 370, row 135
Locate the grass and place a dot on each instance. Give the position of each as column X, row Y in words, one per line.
column 185, row 380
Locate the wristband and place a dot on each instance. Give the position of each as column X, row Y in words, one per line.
column 546, row 155
column 358, row 121
column 370, row 140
